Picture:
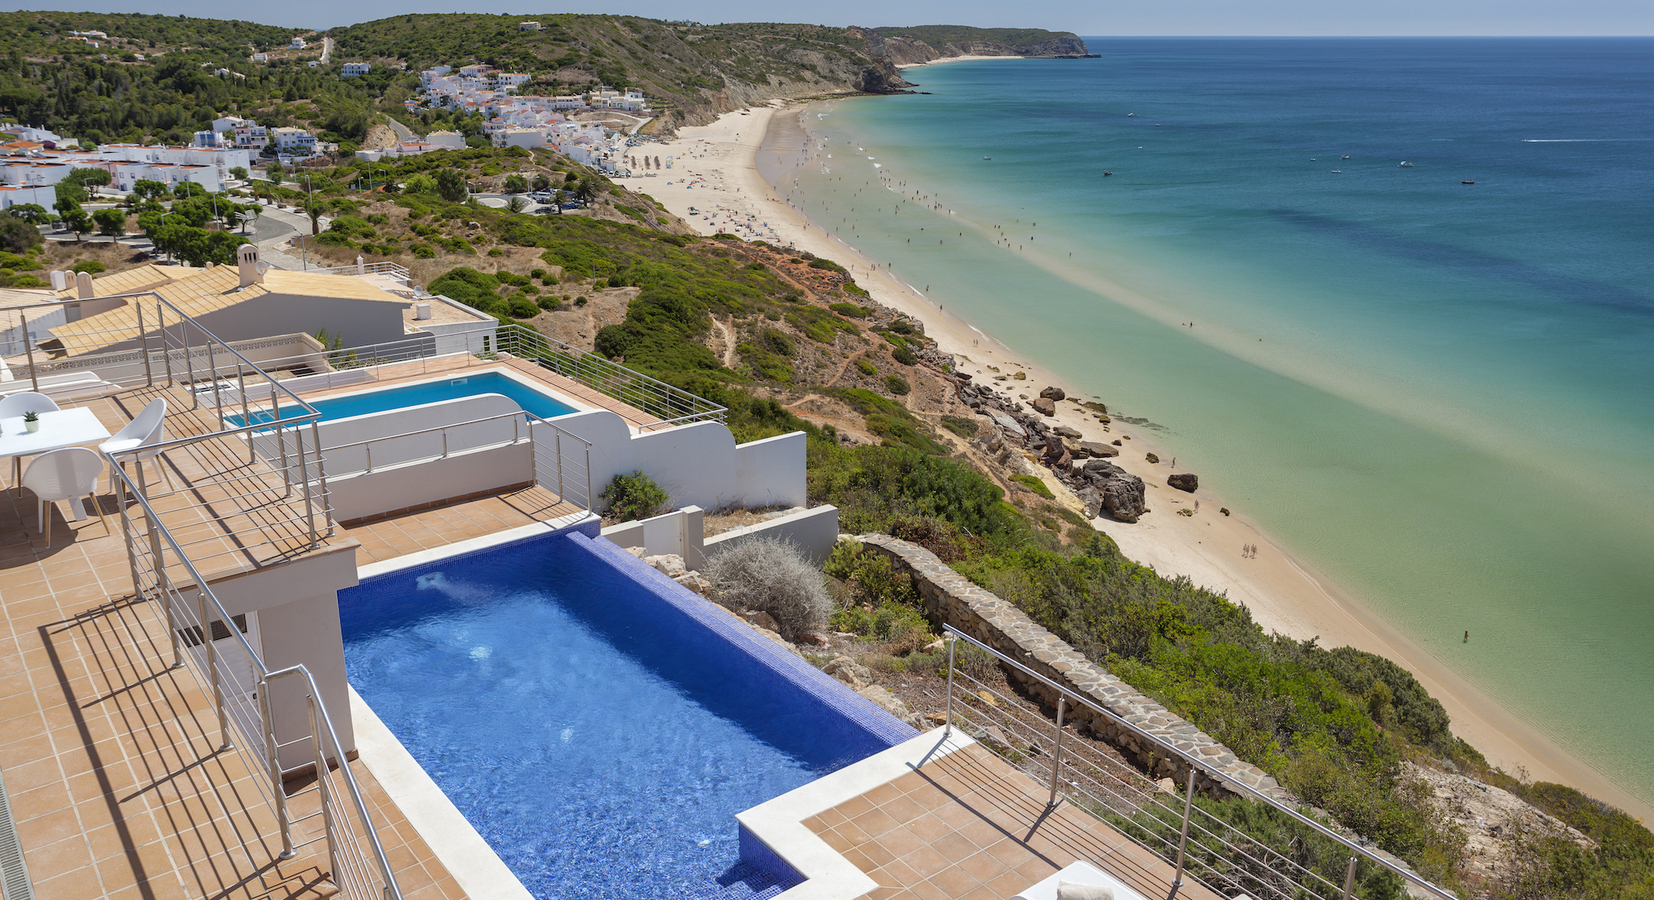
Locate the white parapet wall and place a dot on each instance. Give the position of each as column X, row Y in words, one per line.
column 698, row 464
column 678, row 532
column 813, row 531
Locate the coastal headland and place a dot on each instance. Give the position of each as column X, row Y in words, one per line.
column 718, row 185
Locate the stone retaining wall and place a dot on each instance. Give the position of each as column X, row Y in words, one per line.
column 952, row 598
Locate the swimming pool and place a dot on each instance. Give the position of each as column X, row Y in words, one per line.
column 599, row 726
column 384, row 400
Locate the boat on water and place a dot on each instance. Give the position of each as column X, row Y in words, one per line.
column 1337, row 171
column 1107, row 172
column 1406, row 165
column 987, row 157
column 1345, row 156
column 1468, row 181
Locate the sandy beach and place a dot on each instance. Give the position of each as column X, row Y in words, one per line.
column 715, row 184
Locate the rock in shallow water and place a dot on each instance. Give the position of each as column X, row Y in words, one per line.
column 1184, row 481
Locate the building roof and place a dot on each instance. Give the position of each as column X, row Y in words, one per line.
column 197, row 292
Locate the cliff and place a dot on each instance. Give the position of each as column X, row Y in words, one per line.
column 922, row 44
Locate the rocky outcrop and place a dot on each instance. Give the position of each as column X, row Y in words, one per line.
column 1123, row 497
column 1054, row 393
column 1184, row 481
column 1045, row 407
column 905, row 50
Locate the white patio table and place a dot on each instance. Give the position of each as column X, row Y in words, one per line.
column 58, row 429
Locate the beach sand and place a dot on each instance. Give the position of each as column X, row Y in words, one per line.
column 716, row 174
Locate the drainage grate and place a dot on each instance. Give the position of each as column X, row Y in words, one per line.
column 14, row 875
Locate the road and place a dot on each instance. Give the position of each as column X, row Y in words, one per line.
column 327, row 49
column 403, row 133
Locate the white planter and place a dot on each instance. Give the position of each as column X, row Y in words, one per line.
column 32, row 427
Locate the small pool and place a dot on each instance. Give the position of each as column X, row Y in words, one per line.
column 369, row 402
column 599, row 735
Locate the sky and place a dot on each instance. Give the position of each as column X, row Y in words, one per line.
column 1085, row 17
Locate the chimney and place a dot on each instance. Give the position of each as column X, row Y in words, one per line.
column 60, row 281
column 247, row 259
column 83, row 286
column 360, row 269
column 422, row 311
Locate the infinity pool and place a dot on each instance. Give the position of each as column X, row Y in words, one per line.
column 368, row 402
column 599, row 735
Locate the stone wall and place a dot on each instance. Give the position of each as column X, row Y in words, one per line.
column 951, row 598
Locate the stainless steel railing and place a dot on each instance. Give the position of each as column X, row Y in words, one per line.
column 562, row 459
column 240, row 686
column 668, row 404
column 1172, row 827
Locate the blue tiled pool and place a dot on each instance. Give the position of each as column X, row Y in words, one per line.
column 599, row 726
column 367, row 402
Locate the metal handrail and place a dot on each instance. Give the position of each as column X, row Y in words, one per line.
column 1069, row 694
column 683, row 405
column 435, row 428
column 158, row 532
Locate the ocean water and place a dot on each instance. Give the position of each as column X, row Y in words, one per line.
column 1441, row 394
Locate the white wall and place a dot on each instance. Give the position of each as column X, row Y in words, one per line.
column 678, row 532
column 697, row 464
column 813, row 530
column 400, row 487
column 358, row 322
column 463, row 433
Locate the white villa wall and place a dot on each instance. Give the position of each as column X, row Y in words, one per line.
column 697, row 464
column 814, row 531
column 358, row 322
column 678, row 532
column 298, row 617
column 382, row 491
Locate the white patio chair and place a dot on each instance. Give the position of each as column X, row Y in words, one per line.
column 16, row 405
column 145, row 431
column 68, row 474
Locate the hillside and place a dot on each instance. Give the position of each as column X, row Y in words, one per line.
column 923, row 43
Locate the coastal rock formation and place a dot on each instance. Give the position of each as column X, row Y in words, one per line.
column 1045, row 407
column 1053, row 393
column 1093, row 448
column 1184, row 481
column 922, row 44
column 1123, row 497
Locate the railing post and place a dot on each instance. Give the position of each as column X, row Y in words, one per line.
column 212, row 365
column 161, row 329
column 947, row 715
column 272, row 757
column 588, row 476
column 247, row 412
column 189, row 365
column 1056, row 753
column 1349, row 879
column 160, row 577
column 558, row 449
column 1183, row 837
column 325, row 790
column 143, row 344
column 304, row 482
column 212, row 666
column 281, row 444
column 28, row 347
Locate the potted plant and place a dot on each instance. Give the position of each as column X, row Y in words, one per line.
column 31, row 421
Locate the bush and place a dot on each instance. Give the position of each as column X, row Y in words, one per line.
column 904, row 355
column 523, row 307
column 897, row 385
column 964, row 426
column 773, row 577
column 826, row 264
column 866, row 367
column 1032, row 483
column 89, row 266
column 850, row 310
column 634, row 496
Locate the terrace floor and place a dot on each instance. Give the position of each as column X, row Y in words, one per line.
column 969, row 826
column 108, row 755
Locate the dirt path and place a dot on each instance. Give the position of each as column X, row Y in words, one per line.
column 729, row 341
column 845, row 366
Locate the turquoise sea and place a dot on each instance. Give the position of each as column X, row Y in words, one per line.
column 1440, row 394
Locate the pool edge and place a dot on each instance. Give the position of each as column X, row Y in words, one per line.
column 455, row 842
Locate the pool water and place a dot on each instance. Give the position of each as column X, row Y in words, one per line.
column 368, row 402
column 599, row 742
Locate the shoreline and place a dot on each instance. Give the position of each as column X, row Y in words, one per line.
column 717, row 174
column 951, row 59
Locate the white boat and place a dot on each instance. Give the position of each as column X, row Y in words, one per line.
column 1406, row 165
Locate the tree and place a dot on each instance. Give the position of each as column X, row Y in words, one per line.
column 274, row 173
column 561, row 197
column 18, row 234
column 92, row 178
column 69, row 190
column 111, row 223
column 240, row 173
column 32, row 213
column 450, row 185
column 541, row 182
column 188, row 189
column 516, row 204
column 145, row 189
column 315, row 209
column 515, row 184
column 73, row 217
column 586, row 191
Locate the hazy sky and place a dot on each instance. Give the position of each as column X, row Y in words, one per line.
column 1086, row 17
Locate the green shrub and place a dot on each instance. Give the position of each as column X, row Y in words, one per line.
column 550, row 303
column 89, row 266
column 634, row 496
column 964, row 426
column 897, row 384
column 827, row 265
column 866, row 367
column 523, row 307
column 851, row 310
column 1032, row 483
column 904, row 355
